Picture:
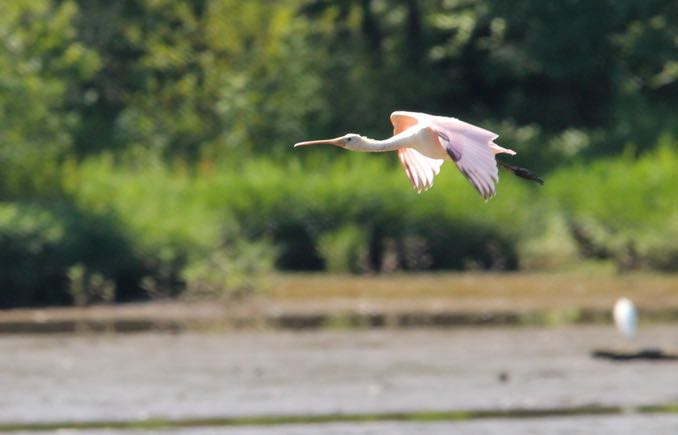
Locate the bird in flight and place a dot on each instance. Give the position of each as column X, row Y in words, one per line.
column 424, row 142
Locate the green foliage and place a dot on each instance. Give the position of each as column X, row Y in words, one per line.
column 85, row 287
column 180, row 225
column 41, row 60
column 333, row 215
column 216, row 230
column 145, row 145
column 41, row 243
column 226, row 77
column 304, row 213
column 233, row 272
column 623, row 209
column 551, row 248
column 192, row 79
column 344, row 250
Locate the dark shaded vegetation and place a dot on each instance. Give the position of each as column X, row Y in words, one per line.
column 145, row 146
column 42, row 241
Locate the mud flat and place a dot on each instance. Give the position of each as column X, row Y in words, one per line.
column 290, row 382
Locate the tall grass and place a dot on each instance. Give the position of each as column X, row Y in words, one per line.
column 297, row 204
column 623, row 208
column 359, row 213
column 163, row 228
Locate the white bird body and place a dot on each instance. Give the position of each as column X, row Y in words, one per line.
column 423, row 142
column 626, row 317
column 419, row 137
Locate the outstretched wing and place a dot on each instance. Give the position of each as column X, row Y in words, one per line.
column 472, row 149
column 419, row 169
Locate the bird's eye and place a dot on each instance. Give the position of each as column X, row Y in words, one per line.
column 348, row 140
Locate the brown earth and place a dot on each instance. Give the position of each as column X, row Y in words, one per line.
column 399, row 300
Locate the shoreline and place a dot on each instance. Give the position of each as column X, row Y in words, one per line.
column 176, row 317
column 314, row 301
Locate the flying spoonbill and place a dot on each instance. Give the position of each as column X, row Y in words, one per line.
column 424, row 142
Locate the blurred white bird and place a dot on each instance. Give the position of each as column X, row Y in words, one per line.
column 626, row 317
column 424, row 142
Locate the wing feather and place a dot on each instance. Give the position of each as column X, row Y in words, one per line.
column 472, row 150
column 419, row 169
column 470, row 147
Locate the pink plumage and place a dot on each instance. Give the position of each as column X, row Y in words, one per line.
column 424, row 142
column 471, row 148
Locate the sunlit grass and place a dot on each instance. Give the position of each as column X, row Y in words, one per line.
column 622, row 210
column 551, row 292
column 358, row 213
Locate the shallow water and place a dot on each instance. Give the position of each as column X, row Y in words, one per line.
column 130, row 377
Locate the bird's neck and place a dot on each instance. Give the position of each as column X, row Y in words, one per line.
column 404, row 139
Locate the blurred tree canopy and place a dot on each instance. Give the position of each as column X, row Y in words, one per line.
column 222, row 77
column 171, row 88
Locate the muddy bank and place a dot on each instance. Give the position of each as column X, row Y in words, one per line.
column 300, row 302
column 177, row 317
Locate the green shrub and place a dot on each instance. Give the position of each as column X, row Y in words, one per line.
column 306, row 208
column 40, row 243
column 214, row 229
column 553, row 248
column 235, row 271
column 180, row 225
column 623, row 209
column 345, row 249
column 86, row 288
column 348, row 213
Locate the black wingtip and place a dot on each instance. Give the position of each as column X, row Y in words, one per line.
column 522, row 173
column 528, row 175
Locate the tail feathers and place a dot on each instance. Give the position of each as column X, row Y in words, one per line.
column 522, row 172
column 496, row 149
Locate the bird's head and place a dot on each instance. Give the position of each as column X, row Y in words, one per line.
column 348, row 141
